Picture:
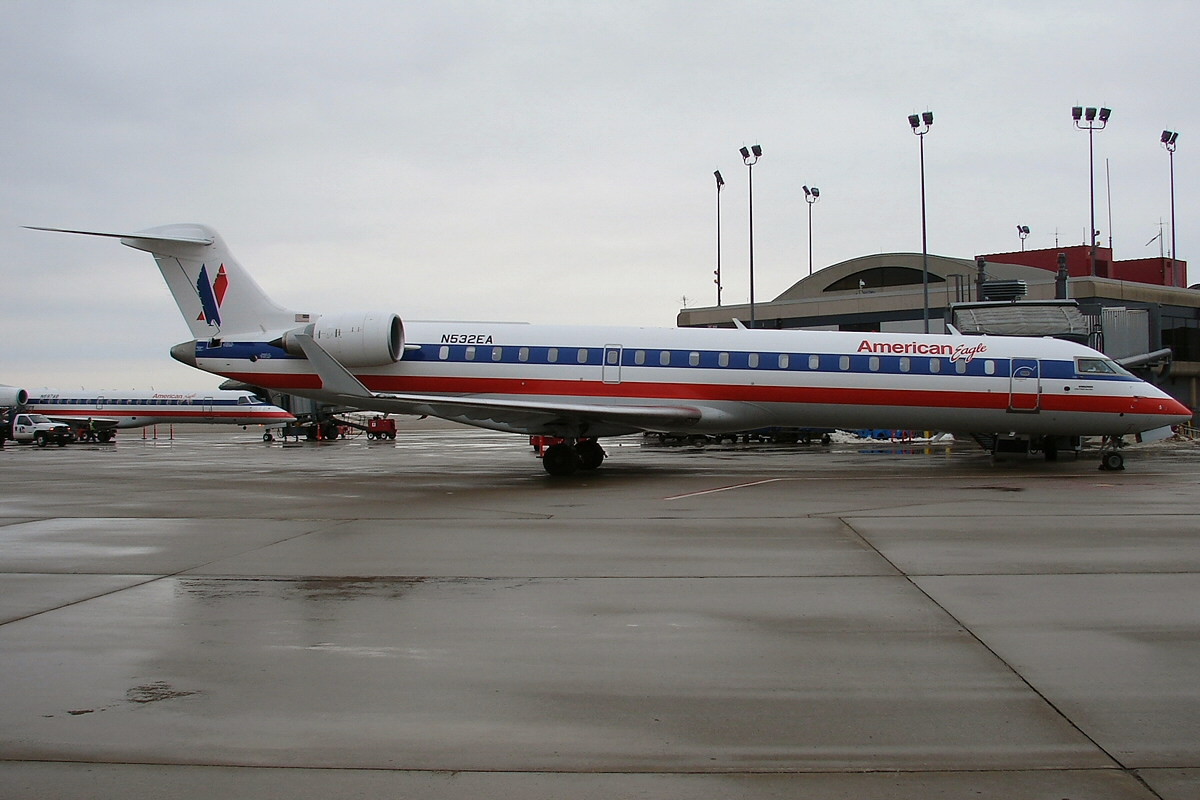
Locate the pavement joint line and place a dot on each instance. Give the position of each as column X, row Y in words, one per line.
column 154, row 578
column 478, row 771
column 1130, row 771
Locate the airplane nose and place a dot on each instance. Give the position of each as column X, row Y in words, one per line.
column 1177, row 409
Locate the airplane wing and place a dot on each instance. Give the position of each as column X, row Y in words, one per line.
column 520, row 416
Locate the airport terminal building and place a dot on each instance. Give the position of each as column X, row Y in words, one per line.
column 1125, row 308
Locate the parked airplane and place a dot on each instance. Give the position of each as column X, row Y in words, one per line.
column 581, row 382
column 109, row 411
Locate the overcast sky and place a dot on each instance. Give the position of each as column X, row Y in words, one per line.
column 550, row 162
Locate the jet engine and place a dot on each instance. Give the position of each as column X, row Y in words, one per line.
column 355, row 339
column 12, row 396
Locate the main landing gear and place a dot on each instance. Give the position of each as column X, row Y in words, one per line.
column 1110, row 457
column 564, row 459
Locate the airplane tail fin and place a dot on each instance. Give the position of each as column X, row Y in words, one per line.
column 215, row 294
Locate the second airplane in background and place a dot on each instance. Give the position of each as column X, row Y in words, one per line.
column 103, row 413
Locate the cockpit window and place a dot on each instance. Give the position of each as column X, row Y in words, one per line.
column 1098, row 366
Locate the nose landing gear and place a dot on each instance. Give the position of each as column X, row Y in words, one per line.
column 1110, row 457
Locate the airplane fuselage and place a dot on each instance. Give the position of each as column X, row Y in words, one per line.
column 743, row 379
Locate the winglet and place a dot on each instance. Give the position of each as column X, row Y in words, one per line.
column 737, row 323
column 334, row 377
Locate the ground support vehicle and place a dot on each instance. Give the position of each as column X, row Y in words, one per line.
column 36, row 429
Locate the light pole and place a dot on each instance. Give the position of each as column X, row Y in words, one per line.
column 811, row 196
column 920, row 126
column 720, row 186
column 1088, row 119
column 750, row 157
column 1022, row 231
column 1168, row 141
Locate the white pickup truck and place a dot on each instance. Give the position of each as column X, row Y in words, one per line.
column 40, row 431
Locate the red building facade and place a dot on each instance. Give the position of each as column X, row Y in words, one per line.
column 1156, row 271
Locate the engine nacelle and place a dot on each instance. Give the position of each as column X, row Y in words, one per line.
column 12, row 396
column 354, row 339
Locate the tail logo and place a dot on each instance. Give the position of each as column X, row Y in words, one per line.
column 212, row 293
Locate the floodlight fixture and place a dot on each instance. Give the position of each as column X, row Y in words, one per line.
column 915, row 121
column 811, row 196
column 1091, row 124
column 1168, row 141
column 717, row 273
column 750, row 158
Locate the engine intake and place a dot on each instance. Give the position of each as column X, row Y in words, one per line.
column 12, row 396
column 354, row 339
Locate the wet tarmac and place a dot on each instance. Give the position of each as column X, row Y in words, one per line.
column 435, row 616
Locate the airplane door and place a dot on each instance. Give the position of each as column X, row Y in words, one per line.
column 612, row 363
column 1025, row 386
column 99, row 403
column 208, row 408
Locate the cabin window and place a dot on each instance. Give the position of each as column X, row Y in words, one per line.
column 664, row 357
column 814, row 361
column 723, row 359
column 581, row 356
column 470, row 352
column 873, row 363
column 844, row 363
column 552, row 355
column 784, row 360
column 989, row 367
column 639, row 357
column 611, row 356
column 444, row 352
column 905, row 364
column 523, row 354
column 935, row 365
column 497, row 353
column 960, row 367
column 752, row 360
column 694, row 358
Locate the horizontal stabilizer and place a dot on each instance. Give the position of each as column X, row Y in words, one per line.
column 143, row 236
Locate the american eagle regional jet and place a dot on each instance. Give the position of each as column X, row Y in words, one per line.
column 582, row 382
column 109, row 411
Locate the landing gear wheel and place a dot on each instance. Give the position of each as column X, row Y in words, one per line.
column 1113, row 462
column 267, row 437
column 560, row 460
column 591, row 454
column 329, row 432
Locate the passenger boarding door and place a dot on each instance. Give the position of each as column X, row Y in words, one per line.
column 208, row 408
column 1025, row 386
column 612, row 363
